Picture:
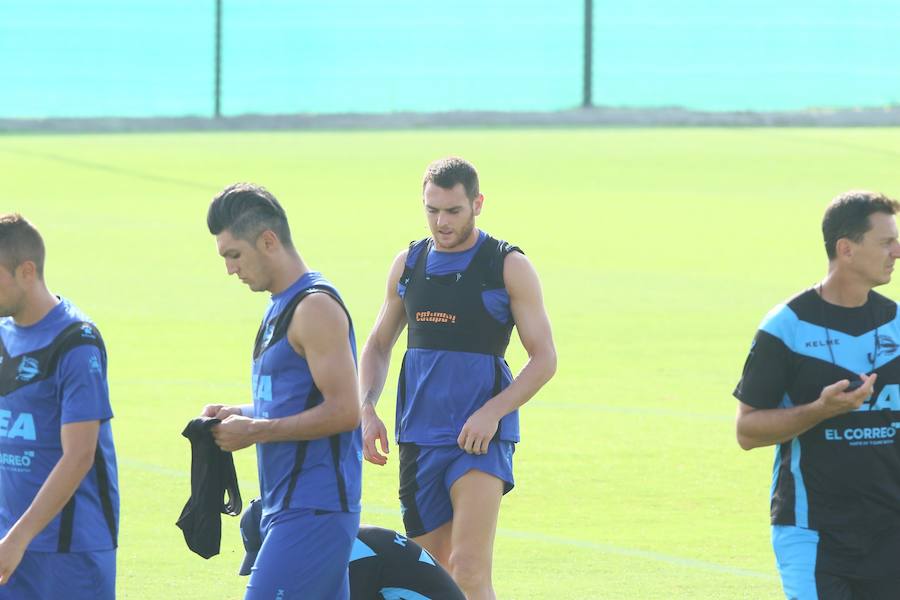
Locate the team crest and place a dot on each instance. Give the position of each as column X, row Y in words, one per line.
column 87, row 332
column 267, row 336
column 29, row 368
column 886, row 346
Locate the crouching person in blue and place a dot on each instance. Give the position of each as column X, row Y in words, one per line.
column 59, row 500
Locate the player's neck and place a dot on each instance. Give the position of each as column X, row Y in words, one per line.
column 38, row 303
column 290, row 268
column 844, row 290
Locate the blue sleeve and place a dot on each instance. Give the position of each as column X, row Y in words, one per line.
column 83, row 391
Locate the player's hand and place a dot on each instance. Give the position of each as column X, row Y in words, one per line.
column 233, row 433
column 373, row 429
column 837, row 401
column 220, row 411
column 478, row 432
column 11, row 553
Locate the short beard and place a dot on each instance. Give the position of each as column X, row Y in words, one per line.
column 466, row 232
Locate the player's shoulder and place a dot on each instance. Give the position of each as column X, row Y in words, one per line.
column 880, row 301
column 500, row 245
column 499, row 250
column 784, row 317
column 413, row 251
column 319, row 314
column 514, row 257
column 402, row 257
column 516, row 269
column 71, row 314
column 319, row 302
column 73, row 328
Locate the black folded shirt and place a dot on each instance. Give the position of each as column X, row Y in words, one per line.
column 212, row 476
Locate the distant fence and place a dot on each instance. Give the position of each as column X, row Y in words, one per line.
column 79, row 58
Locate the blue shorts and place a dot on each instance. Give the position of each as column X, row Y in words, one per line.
column 427, row 472
column 816, row 565
column 304, row 555
column 69, row 575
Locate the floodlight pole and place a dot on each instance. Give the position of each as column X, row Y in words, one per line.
column 217, row 113
column 586, row 101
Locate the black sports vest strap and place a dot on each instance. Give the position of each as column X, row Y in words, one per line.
column 31, row 367
column 408, row 269
column 338, row 475
column 66, row 525
column 283, row 320
column 315, row 397
column 447, row 312
column 498, row 387
column 67, row 516
column 106, row 503
column 279, row 329
column 494, row 277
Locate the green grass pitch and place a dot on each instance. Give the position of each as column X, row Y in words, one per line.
column 659, row 252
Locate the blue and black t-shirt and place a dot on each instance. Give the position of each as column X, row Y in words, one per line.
column 324, row 473
column 53, row 373
column 844, row 473
column 459, row 325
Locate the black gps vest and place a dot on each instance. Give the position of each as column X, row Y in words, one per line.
column 446, row 312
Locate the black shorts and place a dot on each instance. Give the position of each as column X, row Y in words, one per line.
column 828, row 565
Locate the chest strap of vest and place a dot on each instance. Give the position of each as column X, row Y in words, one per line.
column 37, row 365
column 280, row 324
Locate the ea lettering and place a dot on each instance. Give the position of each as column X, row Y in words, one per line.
column 888, row 398
column 262, row 387
column 21, row 427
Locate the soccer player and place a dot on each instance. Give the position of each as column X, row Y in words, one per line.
column 384, row 565
column 822, row 384
column 304, row 418
column 460, row 292
column 59, row 497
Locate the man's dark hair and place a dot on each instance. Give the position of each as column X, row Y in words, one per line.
column 847, row 216
column 447, row 172
column 19, row 242
column 246, row 210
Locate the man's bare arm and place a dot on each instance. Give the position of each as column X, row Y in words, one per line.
column 375, row 361
column 79, row 445
column 319, row 331
column 758, row 427
column 533, row 326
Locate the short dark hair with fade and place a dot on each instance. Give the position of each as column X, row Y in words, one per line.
column 847, row 216
column 447, row 172
column 246, row 210
column 20, row 242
